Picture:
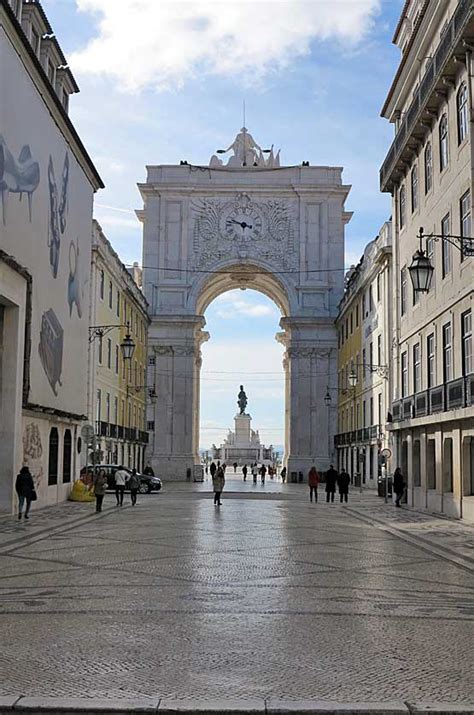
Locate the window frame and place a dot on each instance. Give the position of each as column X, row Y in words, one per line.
column 462, row 113
column 402, row 206
column 443, row 142
column 448, row 373
column 414, row 188
column 67, row 456
column 466, row 340
column 446, row 252
column 403, row 290
column 465, row 225
column 404, row 374
column 53, row 457
column 428, row 164
column 416, row 355
column 430, row 360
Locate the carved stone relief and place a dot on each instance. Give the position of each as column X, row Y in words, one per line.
column 244, row 229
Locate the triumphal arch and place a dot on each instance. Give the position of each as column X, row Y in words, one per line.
column 242, row 221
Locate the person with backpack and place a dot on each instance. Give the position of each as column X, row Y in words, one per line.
column 134, row 486
column 121, row 476
column 218, row 482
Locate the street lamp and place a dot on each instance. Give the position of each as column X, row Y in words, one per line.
column 421, row 269
column 127, row 346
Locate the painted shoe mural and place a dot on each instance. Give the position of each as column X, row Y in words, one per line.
column 58, row 205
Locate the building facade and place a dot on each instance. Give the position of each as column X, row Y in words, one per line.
column 364, row 338
column 47, row 183
column 118, row 390
column 428, row 171
column 250, row 223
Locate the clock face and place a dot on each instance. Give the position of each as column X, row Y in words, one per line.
column 242, row 223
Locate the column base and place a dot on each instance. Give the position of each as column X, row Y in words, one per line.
column 174, row 468
column 304, row 464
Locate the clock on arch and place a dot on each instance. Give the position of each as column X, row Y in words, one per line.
column 242, row 222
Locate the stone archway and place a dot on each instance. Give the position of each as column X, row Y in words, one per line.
column 211, row 229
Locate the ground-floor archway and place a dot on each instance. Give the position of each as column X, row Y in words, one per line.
column 175, row 363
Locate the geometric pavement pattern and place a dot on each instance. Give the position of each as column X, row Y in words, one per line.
column 266, row 596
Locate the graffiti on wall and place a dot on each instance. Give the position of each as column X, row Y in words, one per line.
column 51, row 348
column 33, row 452
column 75, row 286
column 58, row 207
column 17, row 176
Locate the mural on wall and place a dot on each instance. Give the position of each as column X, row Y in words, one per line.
column 75, row 286
column 58, row 206
column 33, row 451
column 17, row 176
column 51, row 348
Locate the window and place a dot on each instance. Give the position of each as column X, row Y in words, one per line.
column 136, row 372
column 371, row 300
column 403, row 291
column 107, row 407
column 364, row 414
column 116, row 415
column 428, row 168
column 51, row 72
column 99, row 406
column 35, row 40
column 466, row 337
column 111, row 292
column 109, row 353
column 123, row 413
column 118, row 305
column 431, row 464
column 371, row 354
column 416, row 368
column 352, row 323
column 402, row 199
column 461, row 105
column 101, row 285
column 53, row 456
column 371, row 411
column 465, row 223
column 363, row 361
column 416, row 463
column 363, row 306
column 443, row 142
column 65, row 100
column 100, row 349
column 150, row 426
column 430, row 360
column 447, row 353
column 379, row 401
column 357, row 315
column 445, row 247
column 448, row 465
column 414, row 188
column 379, row 349
column 378, row 287
column 67, row 455
column 404, row 374
column 117, row 359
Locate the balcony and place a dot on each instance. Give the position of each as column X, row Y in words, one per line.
column 143, row 437
column 411, row 129
column 112, row 431
column 101, row 428
column 455, row 395
column 360, row 436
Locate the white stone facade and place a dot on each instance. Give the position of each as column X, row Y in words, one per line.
column 210, row 229
column 428, row 170
column 47, row 182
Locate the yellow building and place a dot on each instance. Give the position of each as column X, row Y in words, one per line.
column 118, row 393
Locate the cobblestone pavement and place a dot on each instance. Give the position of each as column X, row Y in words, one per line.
column 266, row 596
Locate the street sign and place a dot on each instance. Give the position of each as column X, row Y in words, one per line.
column 387, row 453
column 87, row 433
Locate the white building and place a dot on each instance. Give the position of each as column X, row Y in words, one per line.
column 47, row 182
column 248, row 223
column 428, row 171
column 364, row 328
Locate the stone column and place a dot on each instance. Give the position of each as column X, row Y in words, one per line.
column 173, row 342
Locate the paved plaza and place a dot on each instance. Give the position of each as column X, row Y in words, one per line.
column 268, row 596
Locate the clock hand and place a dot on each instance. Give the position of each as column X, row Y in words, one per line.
column 232, row 220
column 245, row 225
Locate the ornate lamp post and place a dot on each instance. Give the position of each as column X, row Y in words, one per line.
column 421, row 269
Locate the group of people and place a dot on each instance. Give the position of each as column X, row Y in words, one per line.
column 333, row 479
column 122, row 479
column 218, row 480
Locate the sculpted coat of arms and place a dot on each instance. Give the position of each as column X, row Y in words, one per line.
column 244, row 228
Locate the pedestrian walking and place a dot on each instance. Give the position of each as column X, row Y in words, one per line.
column 134, row 486
column 235, row 467
column 283, row 474
column 223, row 466
column 343, row 481
column 254, row 473
column 331, row 478
column 120, row 479
column 398, row 485
column 100, row 487
column 149, row 470
column 313, row 481
column 263, row 471
column 218, row 482
column 213, row 469
column 244, row 472
column 25, row 488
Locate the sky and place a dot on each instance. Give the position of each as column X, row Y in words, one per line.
column 165, row 80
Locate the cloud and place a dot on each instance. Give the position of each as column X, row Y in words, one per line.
column 161, row 44
column 233, row 304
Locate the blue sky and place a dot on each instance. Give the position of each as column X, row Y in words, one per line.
column 164, row 81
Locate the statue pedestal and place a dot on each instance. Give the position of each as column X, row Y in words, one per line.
column 242, row 430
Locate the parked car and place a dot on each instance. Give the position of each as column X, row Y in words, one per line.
column 147, row 483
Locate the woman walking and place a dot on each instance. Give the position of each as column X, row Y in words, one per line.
column 218, row 481
column 134, row 486
column 313, row 481
column 100, row 486
column 398, row 485
column 25, row 488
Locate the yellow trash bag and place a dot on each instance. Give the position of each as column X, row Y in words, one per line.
column 80, row 492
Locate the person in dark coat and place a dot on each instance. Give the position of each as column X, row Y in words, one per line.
column 398, row 485
column 100, row 488
column 25, row 488
column 149, row 471
column 313, row 481
column 343, row 481
column 213, row 469
column 134, row 486
column 263, row 471
column 331, row 478
column 244, row 472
